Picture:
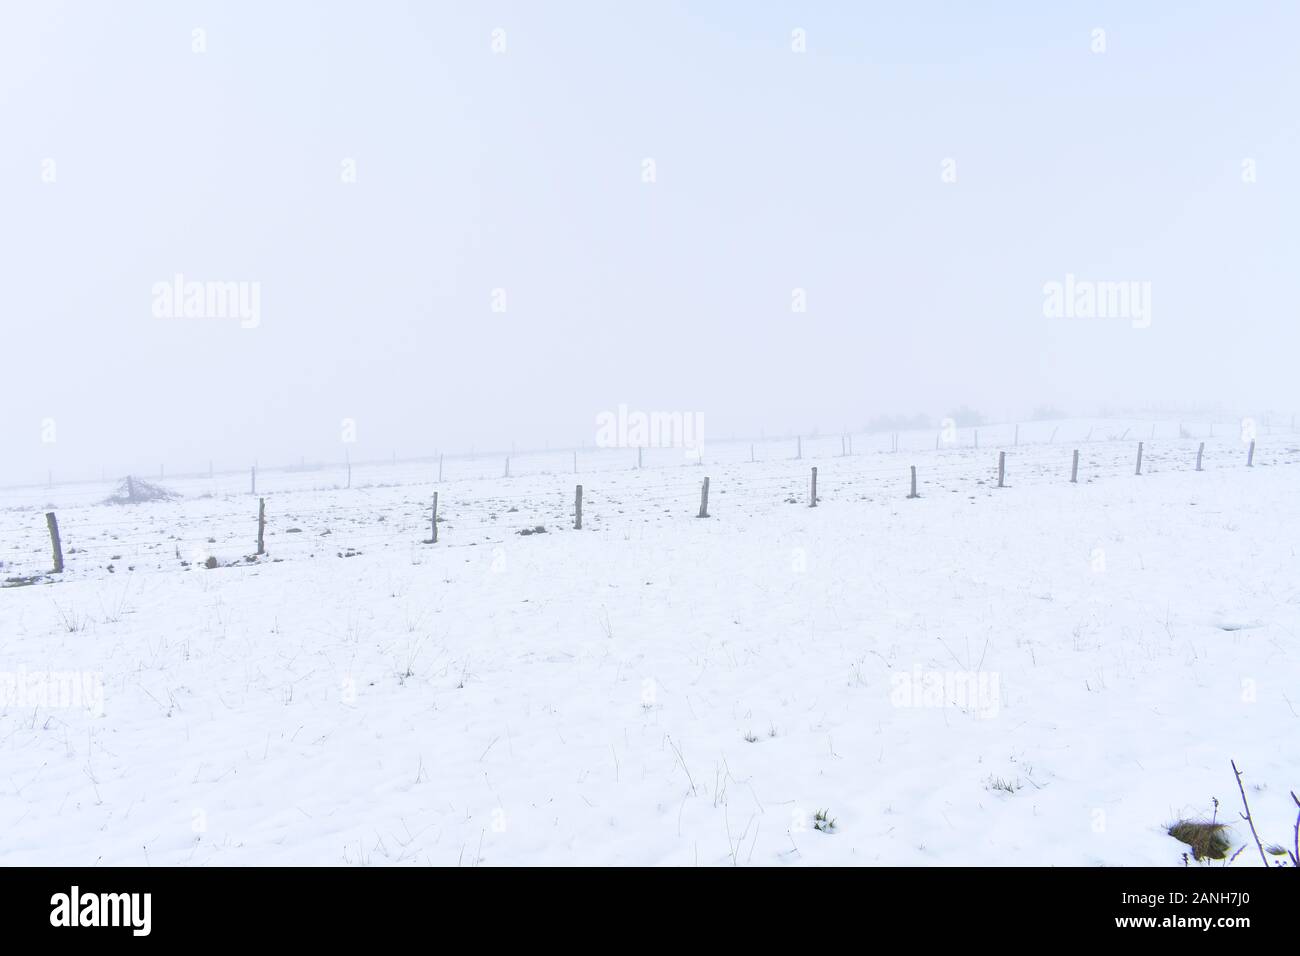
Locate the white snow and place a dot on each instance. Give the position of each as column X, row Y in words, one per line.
column 658, row 688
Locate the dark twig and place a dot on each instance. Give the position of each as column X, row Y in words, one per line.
column 1246, row 816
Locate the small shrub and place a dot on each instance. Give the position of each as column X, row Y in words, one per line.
column 1006, row 786
column 132, row 491
column 1206, row 838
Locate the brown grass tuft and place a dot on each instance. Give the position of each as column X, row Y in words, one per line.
column 1206, row 839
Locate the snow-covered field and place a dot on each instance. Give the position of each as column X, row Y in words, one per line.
column 1041, row 674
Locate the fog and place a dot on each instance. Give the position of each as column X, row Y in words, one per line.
column 451, row 227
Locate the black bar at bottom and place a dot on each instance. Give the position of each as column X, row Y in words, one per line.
column 365, row 906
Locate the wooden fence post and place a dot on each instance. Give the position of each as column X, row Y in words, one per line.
column 914, row 494
column 1074, row 469
column 1002, row 468
column 577, row 509
column 638, row 457
column 261, row 525
column 1017, row 439
column 704, row 500
column 751, row 453
column 813, row 495
column 1250, row 455
column 433, row 521
column 1139, row 466
column 253, row 473
column 798, row 445
column 53, row 524
column 575, row 461
column 507, row 474
column 1199, row 452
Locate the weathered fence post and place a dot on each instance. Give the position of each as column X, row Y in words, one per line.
column 349, row 474
column 1250, row 455
column 1017, row 438
column 798, row 446
column 507, row 474
column 751, row 453
column 53, row 524
column 813, row 495
column 577, row 509
column 1002, row 468
column 1199, row 452
column 638, row 457
column 914, row 494
column 1074, row 469
column 433, row 521
column 253, row 479
column 575, row 461
column 261, row 525
column 1139, row 466
column 704, row 500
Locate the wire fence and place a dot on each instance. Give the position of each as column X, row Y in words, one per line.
column 450, row 469
column 387, row 507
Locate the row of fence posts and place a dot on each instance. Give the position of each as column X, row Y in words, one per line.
column 1002, row 476
column 845, row 449
column 52, row 522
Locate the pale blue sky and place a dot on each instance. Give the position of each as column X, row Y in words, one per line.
column 522, row 171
